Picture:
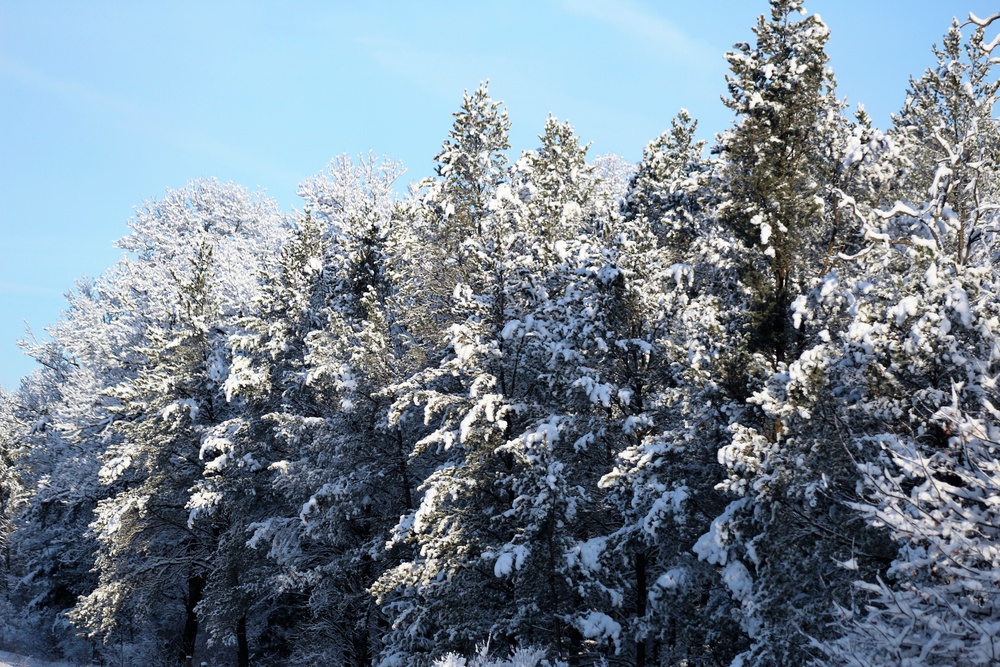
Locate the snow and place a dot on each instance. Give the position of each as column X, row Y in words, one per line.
column 510, row 329
column 504, row 565
column 588, row 554
column 713, row 546
column 799, row 309
column 907, row 307
column 850, row 564
column 15, row 660
column 738, row 579
column 509, row 561
column 598, row 625
column 672, row 579
column 765, row 233
column 959, row 300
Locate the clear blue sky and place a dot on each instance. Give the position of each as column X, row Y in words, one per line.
column 105, row 104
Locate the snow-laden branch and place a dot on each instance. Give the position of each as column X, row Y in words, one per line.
column 982, row 23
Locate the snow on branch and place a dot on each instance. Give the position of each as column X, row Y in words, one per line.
column 982, row 23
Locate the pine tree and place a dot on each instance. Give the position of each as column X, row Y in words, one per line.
column 556, row 182
column 662, row 328
column 265, row 392
column 785, row 173
column 472, row 399
column 326, row 479
column 470, row 166
column 775, row 161
column 503, row 507
column 153, row 547
column 922, row 356
column 668, row 187
column 454, row 210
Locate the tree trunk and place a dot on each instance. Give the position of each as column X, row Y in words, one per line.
column 196, row 586
column 242, row 647
column 403, row 473
column 640, row 605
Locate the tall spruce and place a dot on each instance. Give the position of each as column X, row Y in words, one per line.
column 776, row 160
column 779, row 201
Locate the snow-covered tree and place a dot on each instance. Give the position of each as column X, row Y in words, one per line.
column 776, row 159
column 197, row 254
column 472, row 400
column 505, row 507
column 155, row 554
column 668, row 188
column 922, row 353
column 648, row 334
column 470, row 166
column 265, row 382
column 12, row 496
column 787, row 165
column 556, row 182
column 454, row 208
column 612, row 175
column 64, row 412
column 345, row 474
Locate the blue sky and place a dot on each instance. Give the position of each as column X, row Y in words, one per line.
column 106, row 104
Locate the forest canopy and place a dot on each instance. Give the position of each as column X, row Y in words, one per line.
column 734, row 405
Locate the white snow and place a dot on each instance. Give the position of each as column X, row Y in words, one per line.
column 672, row 579
column 510, row 329
column 907, row 307
column 738, row 579
column 510, row 560
column 598, row 625
column 587, row 554
column 765, row 233
column 15, row 660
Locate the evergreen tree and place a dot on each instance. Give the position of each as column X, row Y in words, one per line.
column 663, row 328
column 265, row 391
column 455, row 210
column 470, row 166
column 668, row 188
column 504, row 508
column 346, row 478
column 12, row 496
column 65, row 412
column 775, row 162
column 556, row 182
column 197, row 253
column 612, row 175
column 153, row 546
column 921, row 353
column 784, row 179
column 472, row 398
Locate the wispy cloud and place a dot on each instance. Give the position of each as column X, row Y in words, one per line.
column 72, row 91
column 27, row 290
column 435, row 71
column 137, row 118
column 657, row 35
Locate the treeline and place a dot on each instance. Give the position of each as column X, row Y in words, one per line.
column 735, row 406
